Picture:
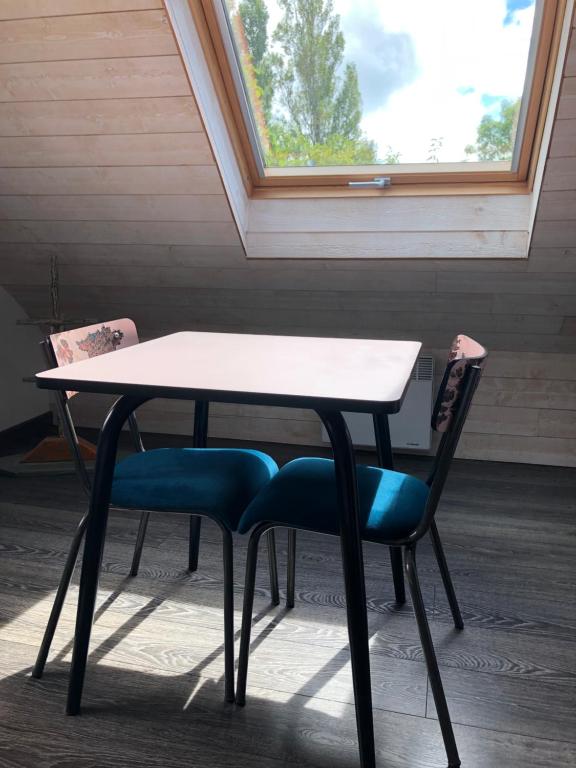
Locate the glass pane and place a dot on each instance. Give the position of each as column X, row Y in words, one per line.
column 360, row 82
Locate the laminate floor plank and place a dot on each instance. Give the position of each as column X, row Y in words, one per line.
column 175, row 719
column 488, row 701
column 154, row 688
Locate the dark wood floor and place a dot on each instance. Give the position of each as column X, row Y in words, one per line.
column 154, row 696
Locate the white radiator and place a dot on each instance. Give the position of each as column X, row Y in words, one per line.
column 410, row 428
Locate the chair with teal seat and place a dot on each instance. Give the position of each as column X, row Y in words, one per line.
column 395, row 509
column 217, row 483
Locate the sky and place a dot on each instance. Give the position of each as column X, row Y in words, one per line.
column 430, row 70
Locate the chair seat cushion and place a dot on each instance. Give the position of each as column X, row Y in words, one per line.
column 303, row 495
column 217, row 482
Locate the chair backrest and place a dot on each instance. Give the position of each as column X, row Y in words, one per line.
column 79, row 344
column 91, row 341
column 459, row 383
column 464, row 352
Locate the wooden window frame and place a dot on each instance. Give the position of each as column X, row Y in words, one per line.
column 419, row 180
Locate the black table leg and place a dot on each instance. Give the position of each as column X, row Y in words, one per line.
column 383, row 442
column 353, row 567
column 199, row 440
column 386, row 461
column 94, row 543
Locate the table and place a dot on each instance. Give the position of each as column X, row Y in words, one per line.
column 324, row 374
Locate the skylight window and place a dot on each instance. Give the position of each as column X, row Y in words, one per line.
column 360, row 87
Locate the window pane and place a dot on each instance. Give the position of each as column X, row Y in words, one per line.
column 360, row 82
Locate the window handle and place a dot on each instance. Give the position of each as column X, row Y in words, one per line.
column 379, row 182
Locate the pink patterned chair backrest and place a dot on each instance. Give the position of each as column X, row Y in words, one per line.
column 92, row 340
column 463, row 353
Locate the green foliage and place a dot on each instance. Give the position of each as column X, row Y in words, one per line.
column 312, row 112
column 434, row 149
column 254, row 15
column 390, row 157
column 495, row 136
column 347, row 109
column 312, row 48
column 289, row 147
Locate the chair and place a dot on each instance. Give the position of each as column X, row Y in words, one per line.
column 200, row 481
column 395, row 509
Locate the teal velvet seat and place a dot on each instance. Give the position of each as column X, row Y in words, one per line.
column 303, row 495
column 216, row 482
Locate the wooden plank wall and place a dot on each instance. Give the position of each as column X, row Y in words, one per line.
column 103, row 161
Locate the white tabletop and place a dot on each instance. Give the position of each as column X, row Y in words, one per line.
column 348, row 374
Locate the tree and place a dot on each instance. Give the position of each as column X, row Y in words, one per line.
column 312, row 91
column 348, row 107
column 495, row 136
column 254, row 17
column 436, row 145
column 288, row 147
column 309, row 97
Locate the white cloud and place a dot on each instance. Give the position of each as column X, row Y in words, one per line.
column 455, row 45
column 459, row 44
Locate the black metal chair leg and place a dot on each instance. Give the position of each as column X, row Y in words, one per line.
column 273, row 567
column 431, row 662
column 398, row 574
column 59, row 599
column 291, row 579
column 249, row 586
column 194, row 542
column 136, row 557
column 386, row 461
column 446, row 578
column 228, row 562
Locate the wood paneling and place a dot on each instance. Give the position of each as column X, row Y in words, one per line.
column 177, row 114
column 104, row 162
column 563, row 138
column 202, row 208
column 560, row 173
column 23, row 256
column 533, row 393
column 499, row 420
column 557, row 423
column 557, row 206
column 93, row 79
column 28, row 9
column 552, row 260
column 112, row 180
column 392, row 214
column 519, row 448
column 482, row 282
column 127, row 232
column 567, row 103
column 570, row 66
column 139, row 149
column 554, row 234
column 393, row 245
column 101, row 35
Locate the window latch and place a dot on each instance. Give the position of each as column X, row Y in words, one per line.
column 379, row 182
